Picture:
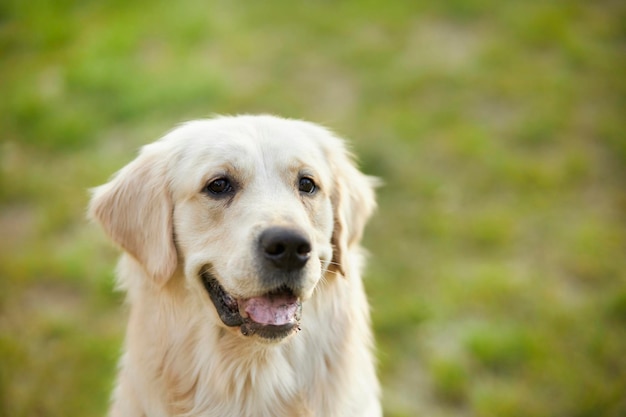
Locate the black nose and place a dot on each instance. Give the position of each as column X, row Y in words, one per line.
column 285, row 248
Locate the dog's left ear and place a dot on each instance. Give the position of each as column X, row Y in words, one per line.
column 353, row 203
column 135, row 210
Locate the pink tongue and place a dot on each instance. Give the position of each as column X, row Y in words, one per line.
column 273, row 309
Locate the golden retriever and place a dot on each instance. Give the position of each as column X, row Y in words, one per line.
column 242, row 270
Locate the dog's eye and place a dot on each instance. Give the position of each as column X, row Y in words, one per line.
column 306, row 185
column 219, row 186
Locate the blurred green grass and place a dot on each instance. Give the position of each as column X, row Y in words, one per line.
column 497, row 274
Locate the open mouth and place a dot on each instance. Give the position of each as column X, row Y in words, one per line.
column 273, row 315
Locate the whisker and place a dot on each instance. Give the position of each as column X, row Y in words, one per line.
column 326, row 271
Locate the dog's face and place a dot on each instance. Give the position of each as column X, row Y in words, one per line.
column 254, row 220
column 254, row 210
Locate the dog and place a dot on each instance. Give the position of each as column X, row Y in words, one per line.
column 242, row 268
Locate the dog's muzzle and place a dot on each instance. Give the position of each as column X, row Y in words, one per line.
column 275, row 314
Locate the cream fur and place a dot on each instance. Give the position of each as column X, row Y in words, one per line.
column 180, row 359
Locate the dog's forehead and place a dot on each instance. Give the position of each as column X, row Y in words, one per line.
column 275, row 146
column 206, row 148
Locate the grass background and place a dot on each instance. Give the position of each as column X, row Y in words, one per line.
column 498, row 272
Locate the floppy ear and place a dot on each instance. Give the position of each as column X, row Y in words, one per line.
column 353, row 203
column 135, row 210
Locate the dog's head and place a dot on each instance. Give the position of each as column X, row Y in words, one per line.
column 254, row 209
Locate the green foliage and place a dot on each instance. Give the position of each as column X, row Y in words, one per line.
column 450, row 379
column 497, row 273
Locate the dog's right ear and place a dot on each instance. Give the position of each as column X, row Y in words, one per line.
column 353, row 203
column 135, row 210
